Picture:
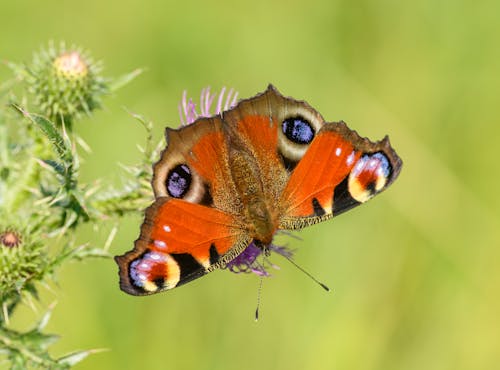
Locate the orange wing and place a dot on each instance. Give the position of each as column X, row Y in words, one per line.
column 310, row 170
column 339, row 171
column 193, row 226
column 179, row 242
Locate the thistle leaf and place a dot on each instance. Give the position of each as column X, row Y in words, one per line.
column 60, row 144
column 58, row 167
column 124, row 80
column 76, row 357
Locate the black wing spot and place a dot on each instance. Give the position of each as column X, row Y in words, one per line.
column 207, row 199
column 342, row 199
column 318, row 209
column 214, row 255
column 190, row 268
column 159, row 282
column 371, row 187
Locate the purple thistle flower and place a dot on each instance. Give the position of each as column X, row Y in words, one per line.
column 187, row 108
column 247, row 261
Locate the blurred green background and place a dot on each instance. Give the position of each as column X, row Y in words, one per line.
column 414, row 273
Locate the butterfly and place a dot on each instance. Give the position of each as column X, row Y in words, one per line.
column 223, row 182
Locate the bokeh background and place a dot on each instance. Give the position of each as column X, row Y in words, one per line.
column 414, row 273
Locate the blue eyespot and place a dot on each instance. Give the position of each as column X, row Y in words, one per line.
column 178, row 181
column 298, row 130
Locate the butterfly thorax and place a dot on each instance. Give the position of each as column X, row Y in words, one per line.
column 246, row 177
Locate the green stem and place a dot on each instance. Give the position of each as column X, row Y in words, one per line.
column 4, row 158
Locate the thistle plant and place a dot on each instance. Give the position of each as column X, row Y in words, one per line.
column 42, row 200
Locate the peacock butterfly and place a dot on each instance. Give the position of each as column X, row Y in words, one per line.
column 234, row 179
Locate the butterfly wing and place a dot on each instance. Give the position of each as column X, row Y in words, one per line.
column 311, row 170
column 193, row 227
column 257, row 122
column 339, row 171
column 179, row 241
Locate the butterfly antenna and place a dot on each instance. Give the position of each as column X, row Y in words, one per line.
column 305, row 272
column 258, row 298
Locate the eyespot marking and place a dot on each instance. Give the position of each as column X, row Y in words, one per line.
column 298, row 130
column 153, row 271
column 147, row 268
column 369, row 176
column 178, row 181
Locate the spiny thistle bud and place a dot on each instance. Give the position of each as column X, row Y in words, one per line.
column 65, row 83
column 22, row 261
column 71, row 65
column 10, row 238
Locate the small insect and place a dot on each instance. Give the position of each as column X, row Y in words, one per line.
column 225, row 184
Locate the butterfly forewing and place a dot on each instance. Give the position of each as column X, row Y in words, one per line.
column 179, row 242
column 339, row 171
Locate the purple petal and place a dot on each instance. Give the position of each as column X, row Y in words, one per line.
column 218, row 109
column 187, row 108
column 247, row 261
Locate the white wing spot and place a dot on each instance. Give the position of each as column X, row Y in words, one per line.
column 166, row 228
column 338, row 151
column 160, row 244
column 350, row 159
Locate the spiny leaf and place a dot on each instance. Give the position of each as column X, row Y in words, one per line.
column 85, row 253
column 58, row 167
column 60, row 143
column 125, row 79
column 45, row 318
column 76, row 357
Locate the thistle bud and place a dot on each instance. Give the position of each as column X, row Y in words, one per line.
column 71, row 65
column 22, row 261
column 65, row 83
column 10, row 239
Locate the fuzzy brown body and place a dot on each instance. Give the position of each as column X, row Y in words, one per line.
column 226, row 181
column 246, row 176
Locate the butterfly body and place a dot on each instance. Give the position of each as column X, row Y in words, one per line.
column 226, row 181
column 256, row 213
